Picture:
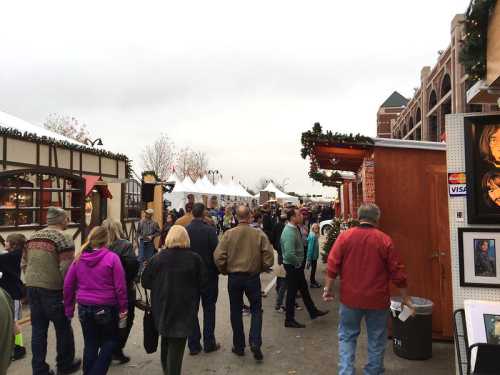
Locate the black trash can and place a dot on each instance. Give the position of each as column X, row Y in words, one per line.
column 412, row 339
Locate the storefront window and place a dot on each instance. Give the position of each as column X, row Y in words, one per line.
column 25, row 197
column 133, row 200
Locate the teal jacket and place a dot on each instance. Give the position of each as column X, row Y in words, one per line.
column 312, row 247
column 292, row 246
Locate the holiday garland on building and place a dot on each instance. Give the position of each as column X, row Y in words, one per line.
column 338, row 224
column 473, row 51
column 312, row 138
column 48, row 141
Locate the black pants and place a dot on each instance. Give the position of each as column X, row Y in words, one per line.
column 238, row 285
column 296, row 281
column 47, row 306
column 172, row 353
column 209, row 296
column 314, row 265
column 125, row 332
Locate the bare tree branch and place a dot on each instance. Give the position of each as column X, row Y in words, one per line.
column 67, row 126
column 159, row 157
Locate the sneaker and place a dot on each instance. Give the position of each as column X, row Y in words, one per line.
column 122, row 358
column 213, row 348
column 19, row 353
column 238, row 352
column 280, row 309
column 74, row 367
column 194, row 352
column 257, row 354
column 297, row 307
column 315, row 285
column 319, row 314
column 246, row 310
column 294, row 324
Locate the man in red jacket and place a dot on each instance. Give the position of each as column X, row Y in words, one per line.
column 367, row 262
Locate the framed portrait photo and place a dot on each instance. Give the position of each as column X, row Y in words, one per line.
column 479, row 258
column 482, row 158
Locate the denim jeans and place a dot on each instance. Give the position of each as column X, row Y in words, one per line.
column 296, row 281
column 100, row 337
column 239, row 284
column 47, row 306
column 349, row 329
column 146, row 252
column 281, row 288
column 209, row 295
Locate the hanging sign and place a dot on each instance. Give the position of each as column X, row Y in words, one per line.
column 457, row 184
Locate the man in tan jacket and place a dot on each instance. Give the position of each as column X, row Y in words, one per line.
column 242, row 254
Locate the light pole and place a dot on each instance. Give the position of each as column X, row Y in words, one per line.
column 213, row 173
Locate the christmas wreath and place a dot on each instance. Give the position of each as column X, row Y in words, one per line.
column 311, row 138
column 473, row 51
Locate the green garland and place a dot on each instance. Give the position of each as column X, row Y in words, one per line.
column 311, row 138
column 49, row 141
column 150, row 173
column 338, row 223
column 473, row 51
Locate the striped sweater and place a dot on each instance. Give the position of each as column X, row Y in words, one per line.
column 48, row 255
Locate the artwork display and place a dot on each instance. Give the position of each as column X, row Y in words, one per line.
column 479, row 261
column 482, row 154
column 482, row 319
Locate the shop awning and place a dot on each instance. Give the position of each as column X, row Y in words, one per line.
column 342, row 157
column 96, row 182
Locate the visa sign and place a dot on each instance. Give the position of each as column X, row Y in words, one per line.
column 458, row 190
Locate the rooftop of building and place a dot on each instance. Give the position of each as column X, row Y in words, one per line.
column 395, row 100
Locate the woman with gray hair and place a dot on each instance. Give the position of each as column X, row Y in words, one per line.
column 125, row 250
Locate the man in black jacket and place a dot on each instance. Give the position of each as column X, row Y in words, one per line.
column 204, row 240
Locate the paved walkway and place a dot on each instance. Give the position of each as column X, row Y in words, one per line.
column 310, row 351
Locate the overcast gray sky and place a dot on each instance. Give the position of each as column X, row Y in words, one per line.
column 239, row 80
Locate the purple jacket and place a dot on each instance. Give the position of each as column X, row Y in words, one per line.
column 97, row 278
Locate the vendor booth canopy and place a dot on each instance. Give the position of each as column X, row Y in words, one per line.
column 280, row 196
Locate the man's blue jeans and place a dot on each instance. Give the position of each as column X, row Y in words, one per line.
column 100, row 337
column 239, row 284
column 47, row 306
column 349, row 329
column 209, row 295
column 146, row 252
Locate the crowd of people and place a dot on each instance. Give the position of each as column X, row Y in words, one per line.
column 101, row 277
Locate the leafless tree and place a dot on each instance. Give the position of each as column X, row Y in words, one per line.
column 191, row 163
column 67, row 126
column 159, row 157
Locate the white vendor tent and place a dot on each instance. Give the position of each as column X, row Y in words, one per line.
column 280, row 196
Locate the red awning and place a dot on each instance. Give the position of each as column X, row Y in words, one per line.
column 95, row 182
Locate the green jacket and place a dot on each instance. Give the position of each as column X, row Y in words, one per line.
column 292, row 246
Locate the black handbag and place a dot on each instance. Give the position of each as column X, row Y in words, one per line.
column 151, row 335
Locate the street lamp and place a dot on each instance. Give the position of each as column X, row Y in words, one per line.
column 213, row 173
column 93, row 143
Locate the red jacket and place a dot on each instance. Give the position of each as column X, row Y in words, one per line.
column 367, row 262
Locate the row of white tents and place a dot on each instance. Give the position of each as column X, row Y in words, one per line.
column 230, row 191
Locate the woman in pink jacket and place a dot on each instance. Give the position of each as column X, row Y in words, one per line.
column 97, row 280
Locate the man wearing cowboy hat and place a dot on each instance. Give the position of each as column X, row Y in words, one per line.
column 147, row 230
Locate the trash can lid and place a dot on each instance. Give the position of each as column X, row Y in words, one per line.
column 423, row 306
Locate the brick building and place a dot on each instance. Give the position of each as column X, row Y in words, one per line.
column 389, row 112
column 442, row 91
